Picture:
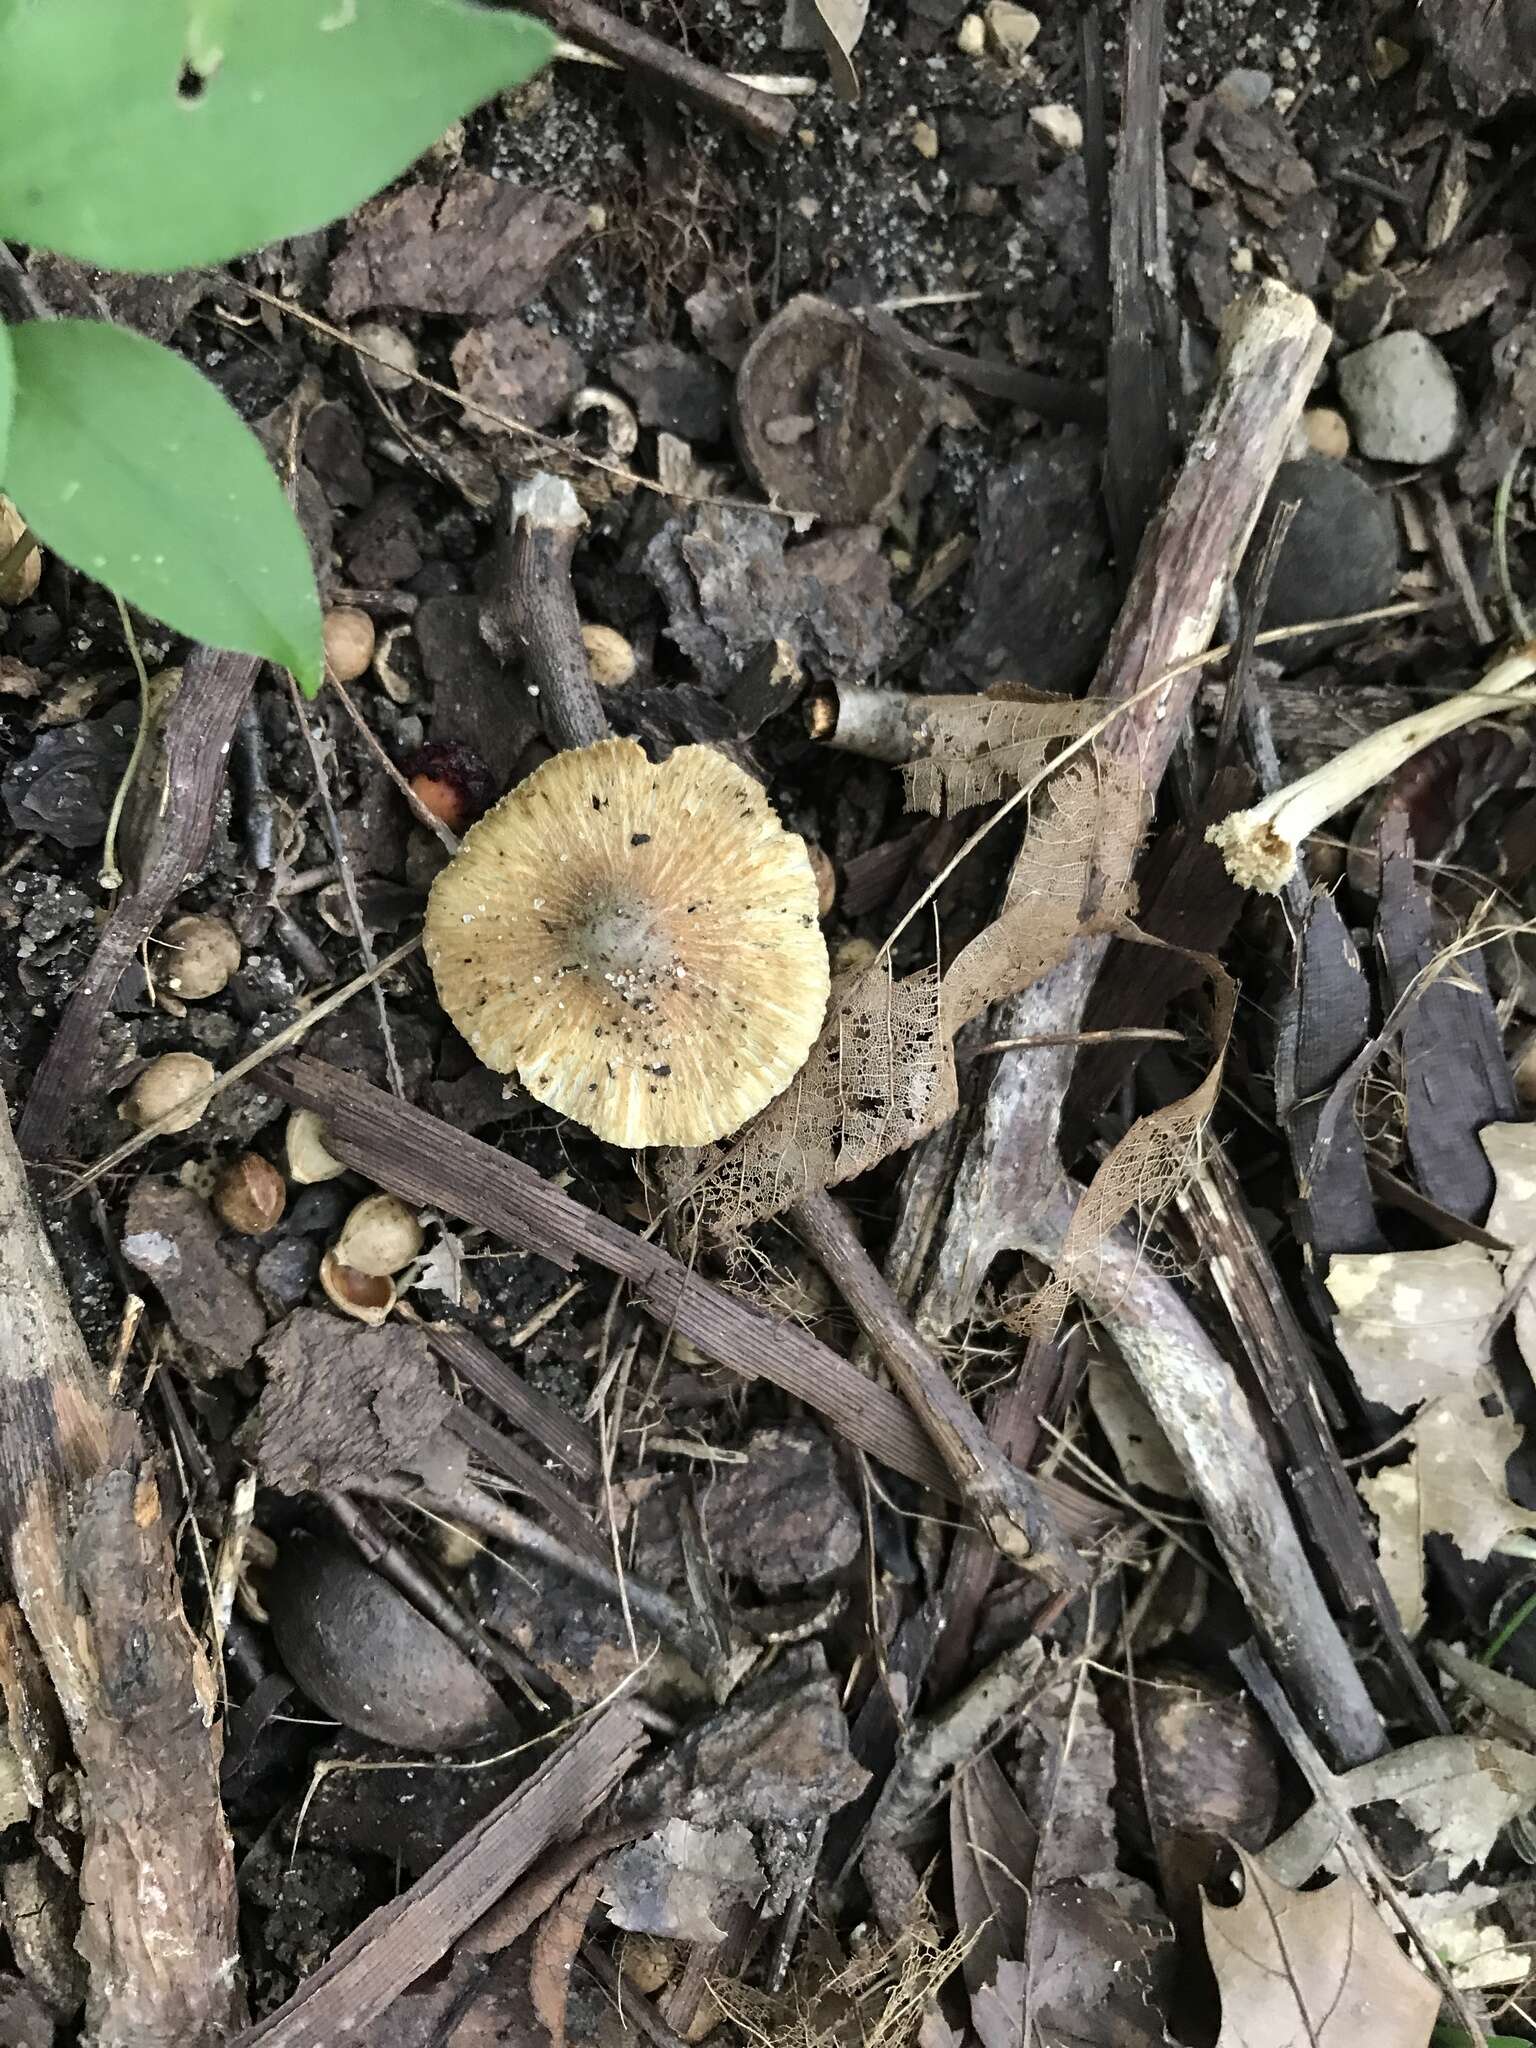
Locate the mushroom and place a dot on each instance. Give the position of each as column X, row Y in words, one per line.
column 638, row 943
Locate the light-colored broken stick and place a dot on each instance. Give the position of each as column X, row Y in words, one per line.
column 1194, row 1394
column 1271, row 348
column 88, row 1548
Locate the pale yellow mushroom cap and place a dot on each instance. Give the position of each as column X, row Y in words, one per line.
column 638, row 943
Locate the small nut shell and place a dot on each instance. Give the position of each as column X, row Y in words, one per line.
column 826, row 879
column 647, row 1963
column 379, row 1237
column 250, row 1196
column 349, row 642
column 169, row 1088
column 20, row 580
column 397, row 349
column 610, row 657
column 305, row 1149
column 203, row 954
column 367, row 1296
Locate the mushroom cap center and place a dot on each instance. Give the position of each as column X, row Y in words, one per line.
column 625, row 944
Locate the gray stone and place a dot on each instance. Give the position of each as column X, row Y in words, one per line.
column 1340, row 553
column 1402, row 400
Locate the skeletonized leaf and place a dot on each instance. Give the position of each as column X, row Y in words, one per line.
column 128, row 463
column 1313, row 1970
column 158, row 135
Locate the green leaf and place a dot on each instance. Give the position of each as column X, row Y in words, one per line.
column 154, row 134
column 7, row 392
column 128, row 463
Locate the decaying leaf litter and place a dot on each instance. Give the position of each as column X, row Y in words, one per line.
column 1028, row 1538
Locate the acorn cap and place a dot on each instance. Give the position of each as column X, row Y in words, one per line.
column 638, row 943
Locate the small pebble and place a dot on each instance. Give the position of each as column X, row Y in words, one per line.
column 1377, row 243
column 1387, row 58
column 1402, row 399
column 1061, row 126
column 1012, row 28
column 972, row 39
column 925, row 139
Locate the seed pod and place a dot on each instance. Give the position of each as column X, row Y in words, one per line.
column 349, row 642
column 368, row 1297
column 379, row 1237
column 610, row 657
column 397, row 349
column 249, row 1195
column 168, row 1087
column 203, row 954
column 304, row 1146
column 826, row 880
column 452, row 781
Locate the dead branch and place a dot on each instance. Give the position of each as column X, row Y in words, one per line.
column 424, row 1160
column 395, row 1944
column 1194, row 1394
column 766, row 119
column 176, row 809
column 1286, row 1373
column 1271, row 348
column 1006, row 1501
column 482, row 1511
column 88, row 1547
column 934, row 1749
column 1142, row 367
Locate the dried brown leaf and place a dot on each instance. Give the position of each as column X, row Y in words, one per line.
column 1121, row 1410
column 555, row 1945
column 1412, row 1325
column 991, row 1853
column 1313, row 1970
column 682, row 1882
